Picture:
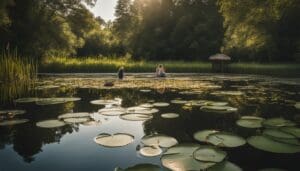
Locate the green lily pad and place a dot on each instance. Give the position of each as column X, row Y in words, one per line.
column 209, row 154
column 202, row 135
column 231, row 93
column 159, row 140
column 27, row 100
column 218, row 109
column 297, row 105
column 170, row 115
column 74, row 115
column 141, row 167
column 180, row 158
column 145, row 90
column 12, row 112
column 225, row 166
column 114, row 111
column 53, row 101
column 146, row 105
column 136, row 117
column 46, row 87
column 277, row 123
column 76, row 120
column 224, row 139
column 212, row 103
column 267, row 144
column 161, row 104
column 115, row 140
column 150, row 151
column 13, row 122
column 106, row 102
column 176, row 101
column 278, row 134
column 291, row 130
column 50, row 124
column 141, row 110
column 250, row 122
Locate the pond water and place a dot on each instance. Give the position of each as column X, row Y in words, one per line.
column 201, row 102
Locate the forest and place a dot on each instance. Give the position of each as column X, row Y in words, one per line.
column 256, row 31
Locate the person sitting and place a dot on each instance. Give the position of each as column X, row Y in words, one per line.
column 121, row 73
column 160, row 71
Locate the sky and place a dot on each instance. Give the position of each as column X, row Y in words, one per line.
column 105, row 9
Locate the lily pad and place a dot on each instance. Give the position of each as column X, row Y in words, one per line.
column 202, row 135
column 114, row 111
column 170, row 115
column 224, row 139
column 106, row 102
column 50, row 124
column 212, row 103
column 27, row 100
column 58, row 100
column 136, row 117
column 161, row 104
column 297, row 105
column 277, row 123
column 250, row 122
column 12, row 112
column 291, row 130
column 225, row 166
column 231, row 93
column 150, row 151
column 209, row 154
column 13, row 122
column 146, row 105
column 267, row 144
column 159, row 140
column 74, row 115
column 145, row 90
column 218, row 109
column 141, row 167
column 76, row 120
column 115, row 140
column 176, row 101
column 278, row 134
column 180, row 157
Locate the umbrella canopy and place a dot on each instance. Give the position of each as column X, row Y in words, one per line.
column 219, row 57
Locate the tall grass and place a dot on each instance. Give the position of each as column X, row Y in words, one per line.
column 15, row 68
column 111, row 64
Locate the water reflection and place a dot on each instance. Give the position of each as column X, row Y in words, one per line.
column 75, row 141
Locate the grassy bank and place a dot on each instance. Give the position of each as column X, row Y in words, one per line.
column 15, row 68
column 107, row 65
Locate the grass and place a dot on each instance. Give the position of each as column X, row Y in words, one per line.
column 108, row 65
column 15, row 68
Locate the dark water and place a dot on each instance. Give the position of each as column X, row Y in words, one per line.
column 26, row 147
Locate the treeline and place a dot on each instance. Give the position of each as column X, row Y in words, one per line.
column 253, row 30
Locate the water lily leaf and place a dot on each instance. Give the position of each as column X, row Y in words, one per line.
column 202, row 135
column 150, row 151
column 57, row 100
column 224, row 139
column 291, row 130
column 12, row 112
column 176, row 101
column 145, row 90
column 116, row 140
column 159, row 140
column 267, row 144
column 74, row 115
column 277, row 122
column 218, row 109
column 225, row 166
column 209, row 154
column 250, row 122
column 146, row 105
column 161, row 104
column 170, row 115
column 297, row 105
column 142, row 167
column 231, row 93
column 13, row 122
column 50, row 124
column 27, row 100
column 136, row 117
column 107, row 102
column 278, row 134
column 76, row 120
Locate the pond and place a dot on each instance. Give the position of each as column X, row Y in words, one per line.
column 182, row 122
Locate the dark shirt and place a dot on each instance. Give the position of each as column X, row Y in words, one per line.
column 121, row 74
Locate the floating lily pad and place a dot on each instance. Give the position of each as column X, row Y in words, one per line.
column 114, row 111
column 159, row 140
column 161, row 104
column 267, row 144
column 116, row 140
column 297, row 105
column 74, row 115
column 146, row 105
column 212, row 103
column 142, row 110
column 27, row 100
column 145, row 90
column 46, row 87
column 176, row 101
column 224, row 139
column 141, row 167
column 292, row 130
column 278, row 122
column 106, row 102
column 180, row 157
column 202, row 135
column 13, row 122
column 278, row 134
column 231, row 93
column 151, row 151
column 218, row 109
column 58, row 100
column 76, row 120
column 225, row 166
column 209, row 154
column 250, row 122
column 91, row 123
column 136, row 117
column 170, row 115
column 12, row 112
column 50, row 124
